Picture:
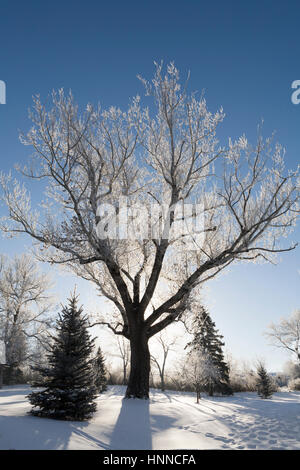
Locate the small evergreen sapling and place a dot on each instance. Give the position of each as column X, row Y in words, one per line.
column 264, row 384
column 69, row 379
column 100, row 379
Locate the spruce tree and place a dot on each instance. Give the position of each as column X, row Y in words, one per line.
column 100, row 379
column 207, row 342
column 264, row 384
column 69, row 378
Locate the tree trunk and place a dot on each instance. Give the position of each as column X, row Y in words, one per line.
column 162, row 376
column 124, row 375
column 138, row 382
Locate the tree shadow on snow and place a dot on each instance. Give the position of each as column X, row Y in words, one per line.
column 21, row 431
column 34, row 433
column 92, row 440
column 132, row 429
column 14, row 390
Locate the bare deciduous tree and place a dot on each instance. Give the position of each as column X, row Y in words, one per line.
column 159, row 360
column 286, row 334
column 124, row 354
column 168, row 157
column 200, row 372
column 24, row 306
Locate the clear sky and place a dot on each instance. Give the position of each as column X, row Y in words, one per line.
column 245, row 56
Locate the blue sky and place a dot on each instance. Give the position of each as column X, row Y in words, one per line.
column 243, row 54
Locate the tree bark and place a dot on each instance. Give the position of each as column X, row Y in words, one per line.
column 124, row 375
column 210, row 390
column 138, row 382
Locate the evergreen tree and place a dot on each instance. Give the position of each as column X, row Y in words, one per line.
column 69, row 379
column 264, row 383
column 100, row 379
column 207, row 342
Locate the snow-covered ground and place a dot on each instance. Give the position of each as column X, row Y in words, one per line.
column 169, row 420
